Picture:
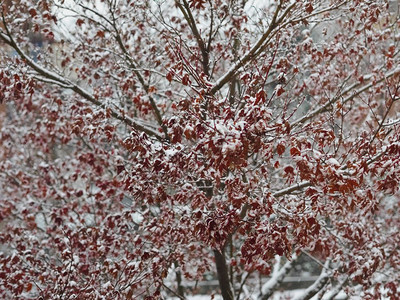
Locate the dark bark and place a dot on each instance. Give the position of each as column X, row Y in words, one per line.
column 181, row 290
column 223, row 275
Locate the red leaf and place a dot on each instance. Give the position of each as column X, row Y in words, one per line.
column 120, row 168
column 84, row 269
column 185, row 79
column 260, row 96
column 199, row 4
column 309, row 8
column 79, row 22
column 18, row 86
column 28, row 286
column 311, row 221
column 280, row 149
column 100, row 33
column 145, row 256
column 32, row 12
column 294, row 151
column 289, row 170
column 279, row 90
column 170, row 76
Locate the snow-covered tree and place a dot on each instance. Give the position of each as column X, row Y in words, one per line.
column 149, row 146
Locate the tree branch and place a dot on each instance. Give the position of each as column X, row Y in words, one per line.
column 326, row 106
column 223, row 275
column 292, row 188
column 304, row 184
column 269, row 287
column 181, row 290
column 187, row 13
column 333, row 293
column 242, row 285
column 265, row 39
column 63, row 82
column 255, row 50
column 317, row 285
column 145, row 86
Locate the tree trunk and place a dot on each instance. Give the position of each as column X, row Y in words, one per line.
column 223, row 276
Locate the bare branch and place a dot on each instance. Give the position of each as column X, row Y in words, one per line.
column 187, row 13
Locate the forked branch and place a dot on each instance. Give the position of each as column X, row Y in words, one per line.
column 255, row 50
column 187, row 13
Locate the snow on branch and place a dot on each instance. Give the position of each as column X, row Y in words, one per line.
column 318, row 284
column 276, row 279
column 292, row 188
